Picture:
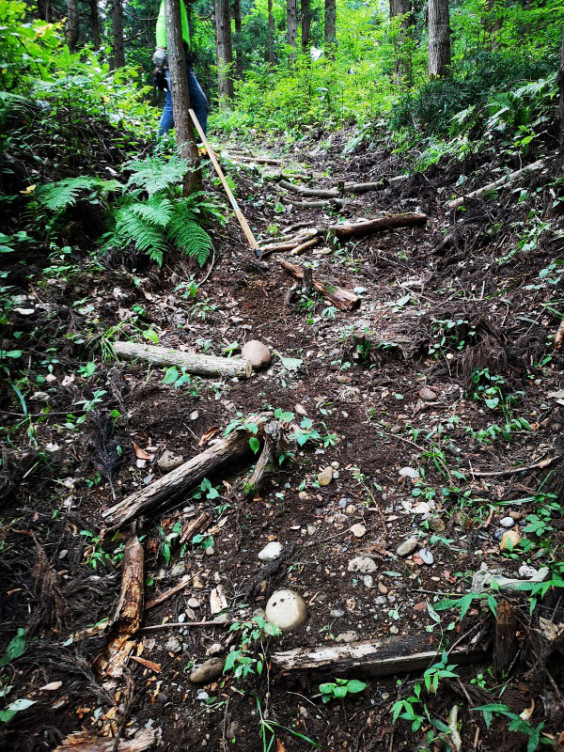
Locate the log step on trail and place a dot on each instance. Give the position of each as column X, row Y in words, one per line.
column 163, row 493
column 202, row 365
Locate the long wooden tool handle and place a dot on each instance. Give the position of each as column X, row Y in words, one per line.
column 238, row 213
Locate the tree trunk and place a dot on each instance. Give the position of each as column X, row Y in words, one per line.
column 117, row 29
column 292, row 22
column 183, row 129
column 224, row 52
column 330, row 22
column 95, row 24
column 72, row 24
column 45, row 10
column 237, row 45
column 561, row 84
column 270, row 51
column 402, row 64
column 306, row 25
column 439, row 38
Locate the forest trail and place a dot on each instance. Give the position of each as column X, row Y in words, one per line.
column 428, row 407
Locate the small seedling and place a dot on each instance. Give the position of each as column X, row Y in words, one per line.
column 340, row 688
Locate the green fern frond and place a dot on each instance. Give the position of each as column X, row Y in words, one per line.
column 131, row 228
column 157, row 211
column 187, row 235
column 64, row 193
column 204, row 207
column 155, row 174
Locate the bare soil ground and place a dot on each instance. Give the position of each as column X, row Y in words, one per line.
column 448, row 370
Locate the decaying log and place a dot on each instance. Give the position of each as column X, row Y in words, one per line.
column 312, row 192
column 163, row 493
column 392, row 222
column 128, row 612
column 505, row 646
column 505, row 180
column 304, row 246
column 344, row 300
column 271, row 450
column 371, row 658
column 82, row 741
column 203, row 365
column 317, row 204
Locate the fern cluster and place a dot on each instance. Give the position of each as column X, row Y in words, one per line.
column 151, row 214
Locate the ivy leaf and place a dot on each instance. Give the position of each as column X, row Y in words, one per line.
column 254, row 443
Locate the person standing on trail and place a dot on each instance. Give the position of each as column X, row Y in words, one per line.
column 198, row 100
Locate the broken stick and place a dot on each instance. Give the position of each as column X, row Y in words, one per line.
column 203, row 365
column 344, row 300
column 392, row 222
column 163, row 493
column 505, row 180
column 370, row 658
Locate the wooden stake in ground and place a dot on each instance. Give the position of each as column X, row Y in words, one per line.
column 203, row 365
column 163, row 493
column 344, row 300
column 371, row 658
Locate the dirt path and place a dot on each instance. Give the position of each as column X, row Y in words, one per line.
column 446, row 371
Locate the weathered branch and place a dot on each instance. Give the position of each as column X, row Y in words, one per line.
column 343, row 299
column 505, row 180
column 312, row 192
column 392, row 222
column 203, row 365
column 82, row 741
column 164, row 492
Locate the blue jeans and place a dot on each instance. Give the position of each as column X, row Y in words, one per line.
column 198, row 103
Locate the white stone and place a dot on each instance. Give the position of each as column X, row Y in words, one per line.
column 407, row 547
column 271, row 551
column 169, row 460
column 362, row 565
column 507, row 522
column 286, row 610
column 257, row 353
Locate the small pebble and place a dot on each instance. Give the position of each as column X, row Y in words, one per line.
column 394, row 629
column 507, row 522
column 336, row 613
column 407, row 547
column 427, row 395
column 362, row 564
column 426, row 556
column 325, row 476
column 368, row 581
column 358, row 530
column 271, row 551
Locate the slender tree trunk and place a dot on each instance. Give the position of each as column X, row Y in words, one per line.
column 224, row 53
column 402, row 64
column 330, row 23
column 72, row 24
column 561, row 85
column 491, row 23
column 117, row 30
column 292, row 22
column 95, row 24
column 45, row 10
column 439, row 38
column 306, row 25
column 239, row 63
column 270, row 33
column 183, row 128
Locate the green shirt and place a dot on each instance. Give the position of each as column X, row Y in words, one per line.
column 161, row 25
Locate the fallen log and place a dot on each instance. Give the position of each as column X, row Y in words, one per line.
column 344, row 300
column 82, row 741
column 371, row 658
column 203, row 365
column 365, row 187
column 317, row 204
column 505, row 180
column 312, row 192
column 304, row 246
column 392, row 222
column 163, row 493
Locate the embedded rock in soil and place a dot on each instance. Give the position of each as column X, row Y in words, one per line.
column 507, row 522
column 426, row 556
column 286, row 610
column 407, row 547
column 271, row 551
column 325, row 476
column 173, row 645
column 437, row 525
column 257, row 353
column 358, row 530
column 169, row 460
column 427, row 395
column 208, row 671
column 362, row 564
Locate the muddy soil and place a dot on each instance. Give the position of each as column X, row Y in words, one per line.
column 422, row 404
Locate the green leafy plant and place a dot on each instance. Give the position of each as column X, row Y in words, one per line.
column 15, row 648
column 516, row 724
column 340, row 688
column 242, row 661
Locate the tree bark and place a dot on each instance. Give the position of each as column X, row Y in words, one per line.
column 203, row 365
column 439, row 38
column 163, row 493
column 45, row 10
column 238, row 50
column 343, row 299
column 330, row 23
column 402, row 63
column 183, row 129
column 505, row 645
column 358, row 229
column 224, row 50
column 291, row 22
column 117, row 31
column 270, row 43
column 95, row 24
column 306, row 25
column 83, row 741
column 72, row 24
